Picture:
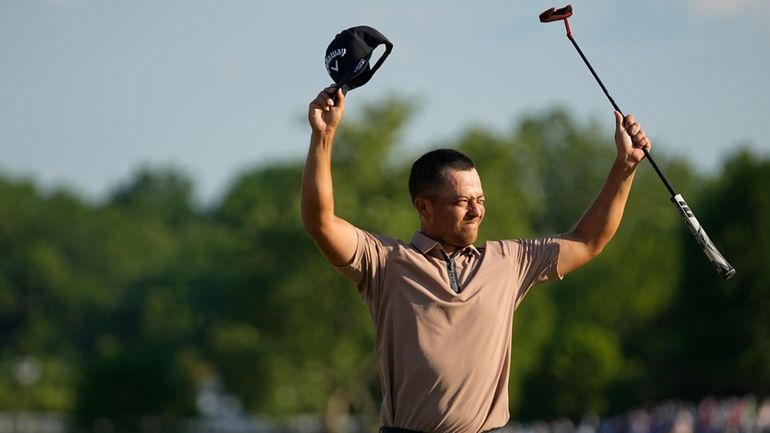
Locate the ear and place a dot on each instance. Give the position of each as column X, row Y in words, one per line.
column 424, row 208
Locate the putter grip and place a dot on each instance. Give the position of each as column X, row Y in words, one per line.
column 715, row 257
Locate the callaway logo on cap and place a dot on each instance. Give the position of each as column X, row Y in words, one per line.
column 347, row 57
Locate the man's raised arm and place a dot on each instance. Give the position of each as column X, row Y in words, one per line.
column 600, row 222
column 335, row 237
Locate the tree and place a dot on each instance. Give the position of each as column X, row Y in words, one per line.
column 119, row 310
column 719, row 331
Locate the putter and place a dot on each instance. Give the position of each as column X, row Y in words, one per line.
column 721, row 265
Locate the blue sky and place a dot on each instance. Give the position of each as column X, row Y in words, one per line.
column 92, row 90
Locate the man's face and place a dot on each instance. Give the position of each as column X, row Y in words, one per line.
column 453, row 214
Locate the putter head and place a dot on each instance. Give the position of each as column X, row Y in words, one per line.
column 554, row 14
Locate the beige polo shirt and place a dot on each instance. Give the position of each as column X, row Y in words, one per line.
column 444, row 357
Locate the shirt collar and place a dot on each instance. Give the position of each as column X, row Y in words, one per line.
column 425, row 245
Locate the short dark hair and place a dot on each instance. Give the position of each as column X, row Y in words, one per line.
column 427, row 172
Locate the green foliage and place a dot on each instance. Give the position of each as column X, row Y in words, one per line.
column 583, row 366
column 164, row 195
column 123, row 309
column 720, row 330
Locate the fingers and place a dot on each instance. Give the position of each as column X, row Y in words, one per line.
column 339, row 97
column 618, row 121
column 323, row 100
column 634, row 130
column 326, row 109
column 326, row 98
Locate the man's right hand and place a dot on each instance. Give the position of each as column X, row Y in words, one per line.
column 324, row 114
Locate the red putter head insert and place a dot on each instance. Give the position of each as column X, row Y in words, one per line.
column 554, row 14
column 561, row 14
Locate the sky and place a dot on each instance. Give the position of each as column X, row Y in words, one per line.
column 91, row 91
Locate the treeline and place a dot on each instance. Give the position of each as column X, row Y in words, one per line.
column 125, row 308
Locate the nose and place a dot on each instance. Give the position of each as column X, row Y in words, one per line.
column 474, row 208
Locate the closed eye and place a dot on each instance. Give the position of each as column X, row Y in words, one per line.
column 463, row 202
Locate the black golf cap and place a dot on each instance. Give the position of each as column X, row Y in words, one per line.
column 347, row 57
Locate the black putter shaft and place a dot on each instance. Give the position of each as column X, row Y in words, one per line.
column 615, row 105
column 721, row 265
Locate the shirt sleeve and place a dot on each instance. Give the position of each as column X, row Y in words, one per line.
column 537, row 261
column 364, row 269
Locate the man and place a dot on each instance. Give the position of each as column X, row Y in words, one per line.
column 442, row 307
